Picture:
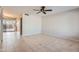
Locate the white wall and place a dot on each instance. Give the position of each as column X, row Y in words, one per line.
column 31, row 25
column 64, row 24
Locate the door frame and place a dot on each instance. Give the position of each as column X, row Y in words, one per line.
column 21, row 26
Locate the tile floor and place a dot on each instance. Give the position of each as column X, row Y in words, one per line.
column 37, row 43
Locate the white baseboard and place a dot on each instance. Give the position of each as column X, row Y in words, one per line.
column 31, row 34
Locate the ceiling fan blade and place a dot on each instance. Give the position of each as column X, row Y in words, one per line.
column 35, row 10
column 48, row 10
column 26, row 14
column 38, row 12
column 44, row 12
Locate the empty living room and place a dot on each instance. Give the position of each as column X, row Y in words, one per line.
column 39, row 28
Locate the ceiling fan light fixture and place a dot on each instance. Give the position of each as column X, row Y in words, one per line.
column 43, row 10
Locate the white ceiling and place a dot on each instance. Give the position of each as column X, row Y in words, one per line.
column 16, row 11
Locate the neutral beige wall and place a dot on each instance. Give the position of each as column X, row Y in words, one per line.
column 65, row 24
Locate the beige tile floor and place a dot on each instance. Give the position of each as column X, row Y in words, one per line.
column 38, row 43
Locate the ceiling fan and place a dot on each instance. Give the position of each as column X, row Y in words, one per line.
column 43, row 10
column 26, row 14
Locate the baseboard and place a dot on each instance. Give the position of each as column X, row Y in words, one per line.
column 30, row 34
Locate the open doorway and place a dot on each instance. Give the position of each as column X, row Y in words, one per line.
column 9, row 28
column 11, row 31
column 9, row 25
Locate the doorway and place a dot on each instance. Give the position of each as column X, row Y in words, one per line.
column 9, row 25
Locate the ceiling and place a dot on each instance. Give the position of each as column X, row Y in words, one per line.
column 15, row 11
